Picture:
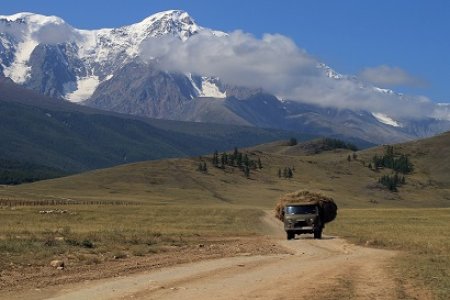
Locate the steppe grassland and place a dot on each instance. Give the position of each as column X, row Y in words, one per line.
column 171, row 203
column 29, row 237
column 422, row 237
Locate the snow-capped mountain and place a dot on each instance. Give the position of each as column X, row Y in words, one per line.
column 103, row 68
column 71, row 63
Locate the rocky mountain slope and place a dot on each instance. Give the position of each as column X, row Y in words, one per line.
column 45, row 137
column 103, row 69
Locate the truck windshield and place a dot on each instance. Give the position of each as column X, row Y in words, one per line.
column 307, row 209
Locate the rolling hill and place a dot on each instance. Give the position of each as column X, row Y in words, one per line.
column 178, row 181
column 44, row 137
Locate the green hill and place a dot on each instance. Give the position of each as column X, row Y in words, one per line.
column 177, row 181
column 45, row 138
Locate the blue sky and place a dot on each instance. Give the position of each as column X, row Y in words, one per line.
column 410, row 38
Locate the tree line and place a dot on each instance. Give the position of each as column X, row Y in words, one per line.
column 398, row 162
column 234, row 159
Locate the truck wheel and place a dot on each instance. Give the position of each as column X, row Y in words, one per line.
column 318, row 233
column 290, row 235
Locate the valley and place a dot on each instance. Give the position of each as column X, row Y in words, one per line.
column 145, row 156
column 141, row 216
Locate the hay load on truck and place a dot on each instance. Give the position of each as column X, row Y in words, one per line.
column 305, row 212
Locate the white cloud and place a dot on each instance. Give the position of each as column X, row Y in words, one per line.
column 279, row 66
column 55, row 33
column 387, row 76
column 16, row 30
column 273, row 62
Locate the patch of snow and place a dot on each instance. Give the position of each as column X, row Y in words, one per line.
column 279, row 98
column 384, row 91
column 210, row 89
column 85, row 88
column 19, row 71
column 198, row 91
column 382, row 118
column 33, row 18
column 329, row 72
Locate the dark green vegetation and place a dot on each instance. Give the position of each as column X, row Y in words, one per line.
column 45, row 138
column 236, row 159
column 397, row 162
column 16, row 172
column 338, row 144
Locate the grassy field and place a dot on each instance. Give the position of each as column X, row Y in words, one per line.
column 151, row 207
column 422, row 236
column 91, row 234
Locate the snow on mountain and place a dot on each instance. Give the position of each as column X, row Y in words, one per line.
column 382, row 118
column 329, row 72
column 85, row 87
column 101, row 52
column 22, row 27
column 46, row 54
column 206, row 87
column 210, row 88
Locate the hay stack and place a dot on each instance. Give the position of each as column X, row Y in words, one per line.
column 327, row 206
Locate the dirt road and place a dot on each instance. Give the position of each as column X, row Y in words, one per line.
column 320, row 269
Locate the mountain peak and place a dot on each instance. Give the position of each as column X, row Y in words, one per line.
column 28, row 17
column 176, row 22
column 175, row 15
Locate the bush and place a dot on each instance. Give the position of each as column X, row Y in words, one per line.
column 292, row 142
column 87, row 244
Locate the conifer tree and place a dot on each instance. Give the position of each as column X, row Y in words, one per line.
column 239, row 159
column 246, row 160
column 236, row 152
column 247, row 171
column 215, row 160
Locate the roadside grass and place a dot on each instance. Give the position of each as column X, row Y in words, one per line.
column 91, row 234
column 422, row 236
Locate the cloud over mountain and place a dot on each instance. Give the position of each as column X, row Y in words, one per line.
column 387, row 76
column 279, row 66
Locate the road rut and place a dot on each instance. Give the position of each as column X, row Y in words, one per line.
column 329, row 268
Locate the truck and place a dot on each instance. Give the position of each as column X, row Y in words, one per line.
column 301, row 218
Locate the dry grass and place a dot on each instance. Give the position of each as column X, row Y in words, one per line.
column 92, row 234
column 174, row 203
column 423, row 236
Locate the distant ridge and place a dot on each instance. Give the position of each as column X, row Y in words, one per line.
column 50, row 137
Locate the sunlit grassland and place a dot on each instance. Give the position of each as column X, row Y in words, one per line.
column 421, row 235
column 90, row 233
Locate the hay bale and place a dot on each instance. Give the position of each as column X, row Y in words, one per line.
column 327, row 206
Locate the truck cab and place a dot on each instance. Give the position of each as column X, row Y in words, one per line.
column 301, row 219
